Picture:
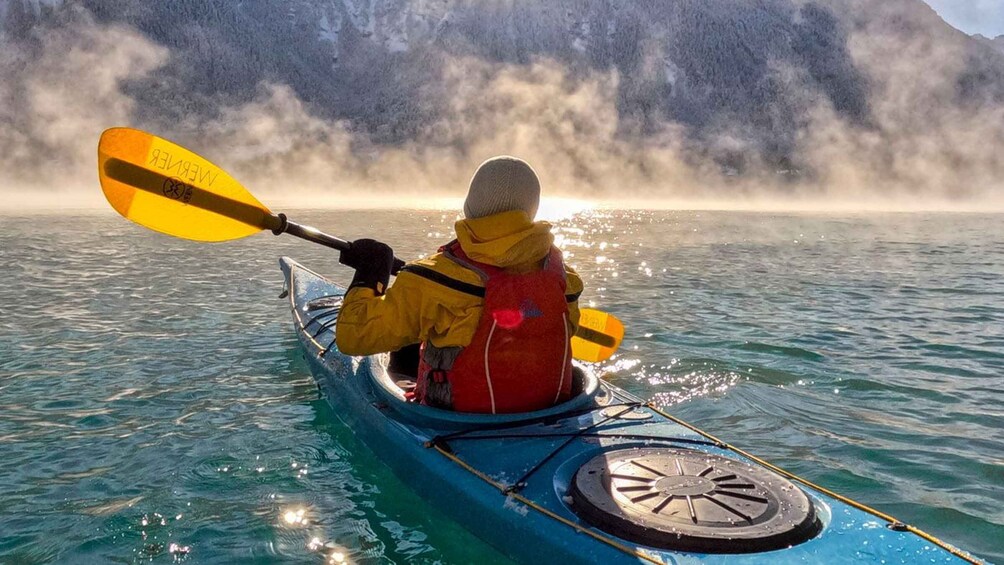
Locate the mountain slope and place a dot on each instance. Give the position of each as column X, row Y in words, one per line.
column 745, row 84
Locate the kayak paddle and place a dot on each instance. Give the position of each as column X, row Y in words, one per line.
column 598, row 336
column 167, row 188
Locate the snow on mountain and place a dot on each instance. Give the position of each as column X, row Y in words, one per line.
column 731, row 74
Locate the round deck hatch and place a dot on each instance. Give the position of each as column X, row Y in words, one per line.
column 688, row 500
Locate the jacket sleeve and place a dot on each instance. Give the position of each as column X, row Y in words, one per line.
column 369, row 324
column 573, row 288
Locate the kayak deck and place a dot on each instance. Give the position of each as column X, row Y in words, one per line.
column 533, row 478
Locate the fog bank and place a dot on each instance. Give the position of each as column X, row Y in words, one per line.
column 918, row 148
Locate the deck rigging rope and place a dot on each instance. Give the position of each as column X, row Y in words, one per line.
column 635, row 552
column 894, row 524
column 638, row 437
column 521, row 482
column 442, row 441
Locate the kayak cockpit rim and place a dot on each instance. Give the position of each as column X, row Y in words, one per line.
column 387, row 391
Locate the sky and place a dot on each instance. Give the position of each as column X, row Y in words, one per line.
column 985, row 17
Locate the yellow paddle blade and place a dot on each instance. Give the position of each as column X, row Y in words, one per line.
column 167, row 188
column 598, row 337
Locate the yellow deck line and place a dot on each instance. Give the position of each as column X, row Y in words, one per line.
column 916, row 531
column 522, row 499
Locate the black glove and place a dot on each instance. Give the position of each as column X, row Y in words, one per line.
column 373, row 262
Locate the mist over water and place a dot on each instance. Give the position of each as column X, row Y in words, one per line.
column 154, row 396
column 919, row 143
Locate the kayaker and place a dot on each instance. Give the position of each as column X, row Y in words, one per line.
column 493, row 310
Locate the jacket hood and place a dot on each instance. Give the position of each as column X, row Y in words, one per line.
column 506, row 240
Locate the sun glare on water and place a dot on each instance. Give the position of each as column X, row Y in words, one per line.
column 295, row 517
column 554, row 209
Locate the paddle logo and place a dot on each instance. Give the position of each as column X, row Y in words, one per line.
column 177, row 189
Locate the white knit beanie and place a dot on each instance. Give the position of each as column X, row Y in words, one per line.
column 502, row 184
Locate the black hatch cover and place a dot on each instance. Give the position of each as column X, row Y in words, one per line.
column 688, row 500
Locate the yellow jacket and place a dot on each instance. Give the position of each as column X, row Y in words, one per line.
column 415, row 309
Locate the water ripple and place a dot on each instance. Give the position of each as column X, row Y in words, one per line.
column 156, row 406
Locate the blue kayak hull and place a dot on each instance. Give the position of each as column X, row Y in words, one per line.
column 471, row 480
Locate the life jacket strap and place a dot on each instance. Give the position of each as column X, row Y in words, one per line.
column 450, row 251
column 440, row 278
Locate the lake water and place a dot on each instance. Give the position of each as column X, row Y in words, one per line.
column 155, row 405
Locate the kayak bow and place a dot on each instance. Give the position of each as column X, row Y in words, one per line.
column 601, row 478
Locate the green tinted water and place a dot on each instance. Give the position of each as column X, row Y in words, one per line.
column 155, row 407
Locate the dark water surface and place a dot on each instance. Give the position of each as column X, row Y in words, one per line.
column 154, row 405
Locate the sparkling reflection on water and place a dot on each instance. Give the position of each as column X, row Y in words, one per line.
column 155, row 406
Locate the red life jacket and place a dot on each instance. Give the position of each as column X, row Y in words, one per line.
column 520, row 358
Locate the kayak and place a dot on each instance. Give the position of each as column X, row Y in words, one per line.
column 602, row 478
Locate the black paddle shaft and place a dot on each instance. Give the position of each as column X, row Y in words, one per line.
column 157, row 183
column 317, row 236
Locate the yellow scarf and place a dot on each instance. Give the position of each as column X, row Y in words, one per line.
column 507, row 240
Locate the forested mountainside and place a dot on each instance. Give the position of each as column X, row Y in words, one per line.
column 737, row 81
